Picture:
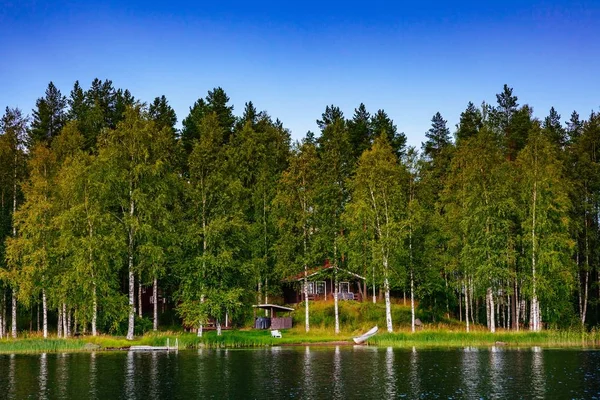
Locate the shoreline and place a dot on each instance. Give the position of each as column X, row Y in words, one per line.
column 425, row 339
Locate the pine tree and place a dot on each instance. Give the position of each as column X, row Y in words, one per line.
column 48, row 117
column 163, row 114
column 438, row 136
column 359, row 132
column 381, row 124
column 553, row 128
column 470, row 123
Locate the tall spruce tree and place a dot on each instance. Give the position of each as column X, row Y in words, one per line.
column 49, row 116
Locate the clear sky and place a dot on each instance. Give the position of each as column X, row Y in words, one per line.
column 410, row 58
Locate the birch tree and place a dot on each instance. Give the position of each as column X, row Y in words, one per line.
column 127, row 160
column 544, row 204
column 295, row 204
column 31, row 251
column 334, row 160
column 13, row 126
column 377, row 194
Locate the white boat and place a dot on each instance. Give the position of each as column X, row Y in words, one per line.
column 364, row 337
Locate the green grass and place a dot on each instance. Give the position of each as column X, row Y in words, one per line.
column 50, row 345
column 355, row 318
column 445, row 338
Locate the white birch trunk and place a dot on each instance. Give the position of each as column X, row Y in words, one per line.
column 412, row 301
column 218, row 328
column 534, row 324
column 306, row 307
column 585, row 298
column 3, row 327
column 492, row 310
column 388, row 306
column 64, row 320
column 59, row 326
column 155, row 296
column 94, row 310
column 200, row 330
column 517, row 306
column 412, row 283
column 140, row 310
column 13, row 325
column 466, row 286
column 45, row 314
column 131, row 320
column 335, row 302
column 374, row 294
column 2, row 322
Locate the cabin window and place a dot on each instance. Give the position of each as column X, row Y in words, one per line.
column 344, row 287
column 320, row 287
column 316, row 287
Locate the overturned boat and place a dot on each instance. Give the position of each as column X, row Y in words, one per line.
column 364, row 337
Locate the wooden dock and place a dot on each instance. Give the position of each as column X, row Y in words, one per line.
column 156, row 348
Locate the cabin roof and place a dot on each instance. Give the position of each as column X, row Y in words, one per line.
column 273, row 307
column 316, row 271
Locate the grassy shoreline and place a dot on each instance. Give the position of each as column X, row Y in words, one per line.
column 253, row 338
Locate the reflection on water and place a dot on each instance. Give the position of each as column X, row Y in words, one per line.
column 496, row 370
column 92, row 376
column 470, row 369
column 43, row 375
column 414, row 379
column 62, row 375
column 338, row 380
column 339, row 372
column 390, row 374
column 11, row 377
column 307, row 375
column 130, row 375
column 537, row 373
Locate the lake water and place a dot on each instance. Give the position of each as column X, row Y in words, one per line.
column 305, row 373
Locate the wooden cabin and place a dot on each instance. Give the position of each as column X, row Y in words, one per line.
column 321, row 285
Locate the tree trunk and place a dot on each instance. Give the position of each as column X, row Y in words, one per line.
column 94, row 310
column 374, row 294
column 2, row 321
column 388, row 304
column 45, row 314
column 585, row 298
column 467, row 303
column 3, row 327
column 534, row 323
column 218, row 327
column 200, row 330
column 492, row 310
column 59, row 323
column 335, row 302
column 64, row 319
column 131, row 276
column 460, row 299
column 140, row 307
column 155, row 296
column 306, row 313
column 13, row 325
column 412, row 301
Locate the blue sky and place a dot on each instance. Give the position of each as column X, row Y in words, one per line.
column 411, row 59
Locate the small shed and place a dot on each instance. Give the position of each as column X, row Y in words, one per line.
column 273, row 321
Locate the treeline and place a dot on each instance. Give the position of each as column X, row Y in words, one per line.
column 103, row 197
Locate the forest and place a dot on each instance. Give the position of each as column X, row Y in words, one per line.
column 102, row 195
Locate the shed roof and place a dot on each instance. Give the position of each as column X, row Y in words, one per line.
column 273, row 307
